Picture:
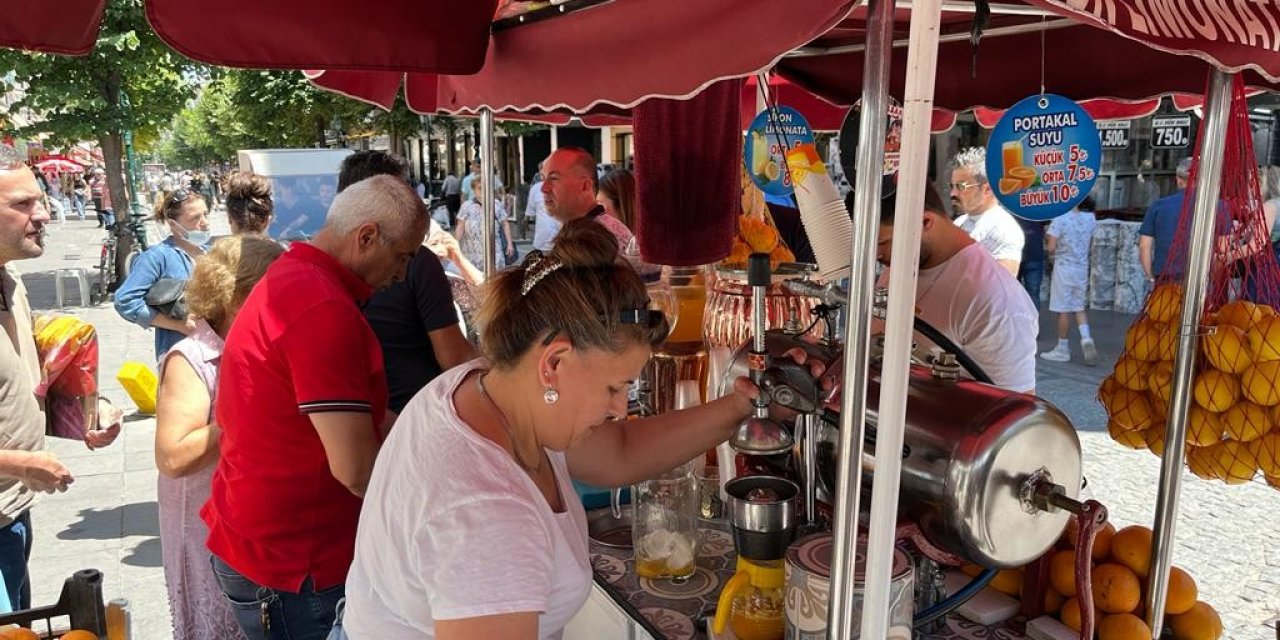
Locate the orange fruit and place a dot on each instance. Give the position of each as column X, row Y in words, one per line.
column 1154, row 435
column 1123, row 626
column 1133, row 374
column 1233, row 461
column 1009, row 185
column 1165, row 303
column 1272, row 480
column 1246, row 421
column 1107, row 390
column 1204, row 428
column 1243, row 314
column 1160, row 381
column 1102, row 542
column 1227, row 348
column 1130, row 409
column 1200, row 462
column 19, row 633
column 1167, row 344
column 1070, row 614
column 1052, row 601
column 79, row 634
column 1261, row 383
column 1216, row 391
column 1116, row 588
column 1182, row 592
column 1201, row 622
column 1131, row 547
column 1143, row 340
column 1008, row 581
column 1132, row 438
column 1264, row 339
column 1266, row 451
column 1062, row 572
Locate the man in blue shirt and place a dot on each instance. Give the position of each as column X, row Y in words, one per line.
column 1160, row 225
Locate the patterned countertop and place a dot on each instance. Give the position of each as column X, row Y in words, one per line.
column 667, row 609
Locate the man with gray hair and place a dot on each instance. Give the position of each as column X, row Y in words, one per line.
column 302, row 404
column 982, row 217
column 26, row 469
column 1160, row 225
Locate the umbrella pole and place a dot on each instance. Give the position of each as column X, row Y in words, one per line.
column 853, row 408
column 487, row 167
column 1194, row 291
column 922, row 59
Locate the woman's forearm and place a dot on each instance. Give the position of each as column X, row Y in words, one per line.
column 193, row 451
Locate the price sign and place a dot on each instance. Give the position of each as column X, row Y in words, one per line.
column 772, row 133
column 1115, row 134
column 1043, row 157
column 1170, row 132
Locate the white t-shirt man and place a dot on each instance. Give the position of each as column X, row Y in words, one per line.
column 545, row 227
column 976, row 303
column 997, row 231
column 452, row 528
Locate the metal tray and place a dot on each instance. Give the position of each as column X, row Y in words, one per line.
column 606, row 530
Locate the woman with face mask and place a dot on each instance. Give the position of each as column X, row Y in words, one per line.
column 187, row 216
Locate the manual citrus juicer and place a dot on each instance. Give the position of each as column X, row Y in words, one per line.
column 760, row 434
column 762, row 515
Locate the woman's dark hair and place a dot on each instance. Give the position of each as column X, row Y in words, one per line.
column 591, row 298
column 619, row 186
column 169, row 207
column 249, row 204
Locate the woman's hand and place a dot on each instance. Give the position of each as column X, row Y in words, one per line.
column 745, row 391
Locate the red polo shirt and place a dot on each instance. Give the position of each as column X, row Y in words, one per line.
column 300, row 345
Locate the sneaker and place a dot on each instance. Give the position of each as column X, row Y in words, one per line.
column 1090, row 351
column 1057, row 355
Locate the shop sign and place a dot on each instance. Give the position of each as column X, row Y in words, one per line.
column 772, row 133
column 1043, row 157
column 1114, row 134
column 1170, row 132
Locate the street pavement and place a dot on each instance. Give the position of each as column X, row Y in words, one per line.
column 1228, row 537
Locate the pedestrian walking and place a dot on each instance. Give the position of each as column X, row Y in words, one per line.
column 1068, row 240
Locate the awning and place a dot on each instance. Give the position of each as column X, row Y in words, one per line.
column 67, row 26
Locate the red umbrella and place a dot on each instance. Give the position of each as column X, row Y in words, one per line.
column 58, row 164
column 68, row 26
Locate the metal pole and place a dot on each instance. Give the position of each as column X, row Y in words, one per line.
column 922, row 59
column 486, row 177
column 853, row 408
column 1195, row 288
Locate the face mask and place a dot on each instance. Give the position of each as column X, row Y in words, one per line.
column 194, row 236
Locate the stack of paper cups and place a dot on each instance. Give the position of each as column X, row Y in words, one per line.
column 826, row 221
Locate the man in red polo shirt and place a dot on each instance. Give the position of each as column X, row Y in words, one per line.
column 302, row 403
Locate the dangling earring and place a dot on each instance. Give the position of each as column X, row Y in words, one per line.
column 550, row 396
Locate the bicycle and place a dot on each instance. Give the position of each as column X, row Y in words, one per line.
column 113, row 268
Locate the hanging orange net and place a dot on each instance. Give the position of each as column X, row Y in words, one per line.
column 1233, row 430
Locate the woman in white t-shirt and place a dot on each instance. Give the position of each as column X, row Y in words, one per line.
column 471, row 527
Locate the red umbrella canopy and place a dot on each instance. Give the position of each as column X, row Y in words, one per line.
column 59, row 165
column 67, row 26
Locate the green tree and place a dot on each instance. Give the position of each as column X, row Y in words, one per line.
column 84, row 98
column 282, row 109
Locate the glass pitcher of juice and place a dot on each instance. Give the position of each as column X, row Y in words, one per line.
column 664, row 530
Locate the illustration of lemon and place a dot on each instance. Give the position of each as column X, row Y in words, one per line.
column 772, row 171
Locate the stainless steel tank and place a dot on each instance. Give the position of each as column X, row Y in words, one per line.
column 974, row 458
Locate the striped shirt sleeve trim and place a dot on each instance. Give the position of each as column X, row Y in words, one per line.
column 324, row 406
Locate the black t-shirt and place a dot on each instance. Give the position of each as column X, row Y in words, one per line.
column 1033, row 248
column 792, row 231
column 402, row 315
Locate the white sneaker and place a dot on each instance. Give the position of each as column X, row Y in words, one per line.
column 1090, row 351
column 1059, row 354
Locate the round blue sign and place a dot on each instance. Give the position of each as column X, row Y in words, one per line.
column 1043, row 157
column 772, row 133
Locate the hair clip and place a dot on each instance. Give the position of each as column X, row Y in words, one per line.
column 537, row 267
column 644, row 317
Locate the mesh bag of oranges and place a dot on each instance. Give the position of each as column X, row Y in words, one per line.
column 757, row 232
column 1233, row 429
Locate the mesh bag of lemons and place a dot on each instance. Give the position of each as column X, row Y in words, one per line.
column 1233, row 429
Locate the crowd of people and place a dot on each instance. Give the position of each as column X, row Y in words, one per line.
column 327, row 432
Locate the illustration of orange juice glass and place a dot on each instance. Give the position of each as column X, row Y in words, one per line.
column 1011, row 154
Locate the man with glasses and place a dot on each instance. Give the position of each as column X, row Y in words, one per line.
column 569, row 191
column 981, row 216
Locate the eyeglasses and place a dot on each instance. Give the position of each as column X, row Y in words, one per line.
column 179, row 196
column 963, row 186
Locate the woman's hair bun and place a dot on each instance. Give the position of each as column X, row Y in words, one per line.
column 248, row 185
column 585, row 244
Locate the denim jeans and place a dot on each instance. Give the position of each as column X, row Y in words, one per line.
column 15, row 551
column 269, row 614
column 1031, row 275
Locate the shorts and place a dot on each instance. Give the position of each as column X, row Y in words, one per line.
column 1067, row 289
